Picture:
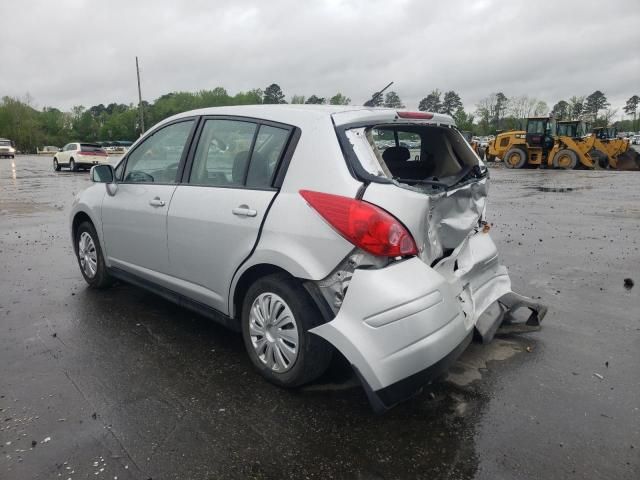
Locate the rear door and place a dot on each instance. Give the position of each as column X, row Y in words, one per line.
column 63, row 156
column 216, row 213
column 134, row 219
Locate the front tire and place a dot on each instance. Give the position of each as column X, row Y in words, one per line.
column 72, row 166
column 565, row 159
column 277, row 314
column 56, row 165
column 90, row 257
column 515, row 158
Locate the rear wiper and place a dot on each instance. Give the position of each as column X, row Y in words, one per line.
column 474, row 171
column 434, row 183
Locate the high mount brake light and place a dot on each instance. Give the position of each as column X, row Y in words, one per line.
column 366, row 226
column 415, row 115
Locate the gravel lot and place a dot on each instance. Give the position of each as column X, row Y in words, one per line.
column 120, row 383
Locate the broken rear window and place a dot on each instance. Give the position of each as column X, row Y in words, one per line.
column 412, row 153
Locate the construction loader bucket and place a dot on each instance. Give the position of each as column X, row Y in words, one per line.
column 629, row 160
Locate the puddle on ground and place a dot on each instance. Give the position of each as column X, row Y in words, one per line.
column 25, row 208
column 473, row 361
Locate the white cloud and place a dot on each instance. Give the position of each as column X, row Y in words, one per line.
column 82, row 52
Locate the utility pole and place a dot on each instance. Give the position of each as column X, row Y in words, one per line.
column 140, row 99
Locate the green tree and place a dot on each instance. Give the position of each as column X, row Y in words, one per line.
column 451, row 103
column 297, row 99
column 315, row 100
column 463, row 121
column 561, row 110
column 339, row 99
column 501, row 105
column 273, row 94
column 594, row 103
column 576, row 105
column 392, row 100
column 431, row 103
column 542, row 109
column 631, row 108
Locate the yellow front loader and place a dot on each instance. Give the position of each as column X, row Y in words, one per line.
column 619, row 155
column 545, row 143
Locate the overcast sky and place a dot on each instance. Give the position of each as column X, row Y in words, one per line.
column 70, row 52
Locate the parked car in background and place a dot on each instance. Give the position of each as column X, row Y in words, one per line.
column 635, row 140
column 7, row 148
column 288, row 224
column 78, row 156
column 484, row 142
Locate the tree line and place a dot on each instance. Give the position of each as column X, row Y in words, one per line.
column 31, row 128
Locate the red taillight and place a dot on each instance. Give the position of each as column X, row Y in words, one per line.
column 363, row 224
column 416, row 115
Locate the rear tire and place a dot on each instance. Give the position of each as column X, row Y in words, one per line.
column 56, row 165
column 269, row 343
column 90, row 257
column 565, row 159
column 515, row 158
column 72, row 165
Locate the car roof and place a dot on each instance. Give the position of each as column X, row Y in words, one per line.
column 303, row 114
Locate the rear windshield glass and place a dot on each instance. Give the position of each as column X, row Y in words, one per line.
column 412, row 153
column 90, row 147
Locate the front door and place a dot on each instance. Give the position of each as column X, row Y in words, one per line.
column 134, row 218
column 215, row 215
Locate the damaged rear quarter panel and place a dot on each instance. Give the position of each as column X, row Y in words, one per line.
column 437, row 220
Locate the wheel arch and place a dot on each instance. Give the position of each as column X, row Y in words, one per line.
column 246, row 279
column 79, row 218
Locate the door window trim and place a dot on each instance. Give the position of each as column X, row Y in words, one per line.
column 277, row 176
column 183, row 158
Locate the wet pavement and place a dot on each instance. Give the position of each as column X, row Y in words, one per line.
column 122, row 384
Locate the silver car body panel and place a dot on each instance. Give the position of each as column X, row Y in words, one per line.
column 134, row 231
column 227, row 239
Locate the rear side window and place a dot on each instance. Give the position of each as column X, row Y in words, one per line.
column 157, row 158
column 267, row 151
column 237, row 153
column 222, row 155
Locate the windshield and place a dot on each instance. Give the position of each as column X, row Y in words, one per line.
column 536, row 126
column 574, row 130
column 5, row 143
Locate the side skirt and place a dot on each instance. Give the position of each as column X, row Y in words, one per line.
column 177, row 298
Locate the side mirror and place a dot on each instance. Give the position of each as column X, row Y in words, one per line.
column 59, row 149
column 102, row 174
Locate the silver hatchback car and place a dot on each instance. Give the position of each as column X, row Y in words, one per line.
column 287, row 223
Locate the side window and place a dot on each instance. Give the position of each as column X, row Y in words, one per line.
column 157, row 158
column 222, row 155
column 267, row 151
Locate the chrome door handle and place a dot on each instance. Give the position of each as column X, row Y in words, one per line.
column 156, row 202
column 244, row 211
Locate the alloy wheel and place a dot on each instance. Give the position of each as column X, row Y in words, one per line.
column 274, row 332
column 87, row 255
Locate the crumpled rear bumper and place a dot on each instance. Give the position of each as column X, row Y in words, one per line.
column 402, row 325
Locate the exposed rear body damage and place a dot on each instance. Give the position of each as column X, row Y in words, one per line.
column 402, row 323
